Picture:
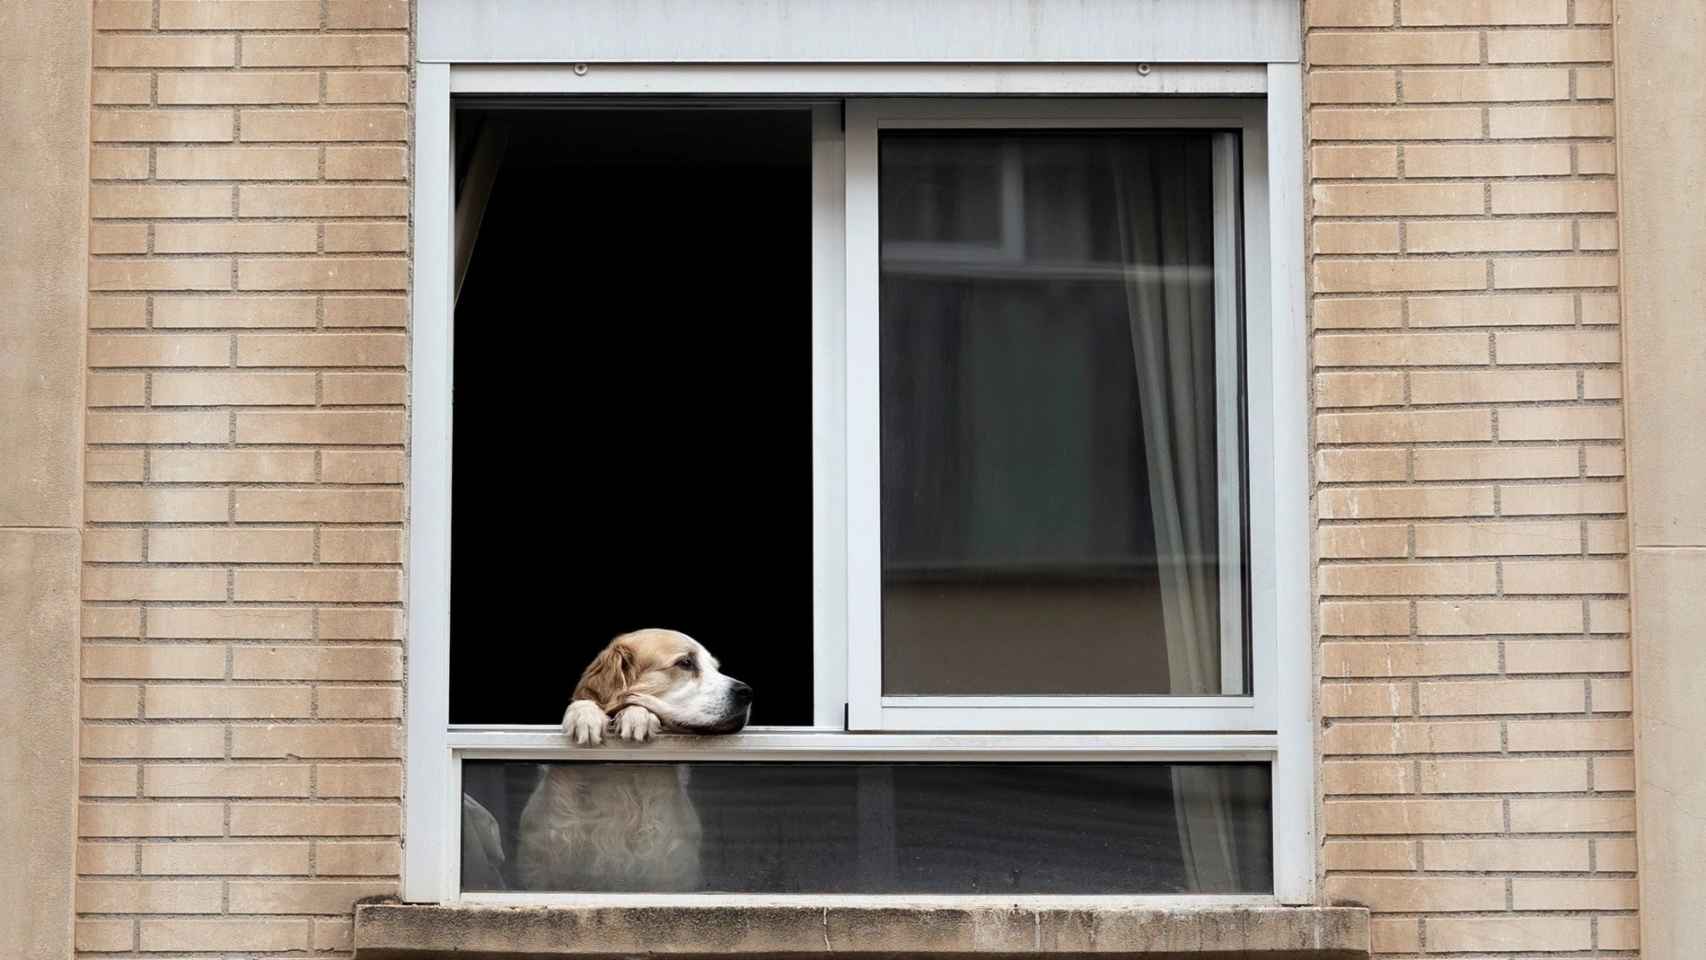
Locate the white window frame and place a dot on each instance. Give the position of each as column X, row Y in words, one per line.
column 1280, row 732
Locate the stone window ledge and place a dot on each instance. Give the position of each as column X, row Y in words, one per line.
column 398, row 931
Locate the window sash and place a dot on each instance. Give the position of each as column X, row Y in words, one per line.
column 868, row 708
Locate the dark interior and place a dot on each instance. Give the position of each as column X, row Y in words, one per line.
column 640, row 298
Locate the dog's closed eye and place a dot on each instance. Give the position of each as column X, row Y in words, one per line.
column 687, row 663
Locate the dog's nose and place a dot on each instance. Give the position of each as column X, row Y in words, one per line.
column 741, row 692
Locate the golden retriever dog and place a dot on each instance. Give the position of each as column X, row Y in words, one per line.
column 628, row 827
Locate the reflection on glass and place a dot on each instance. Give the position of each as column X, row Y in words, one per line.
column 874, row 828
column 1060, row 475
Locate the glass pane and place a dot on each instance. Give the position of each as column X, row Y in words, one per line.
column 999, row 828
column 1053, row 433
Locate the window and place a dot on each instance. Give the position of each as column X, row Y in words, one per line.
column 953, row 426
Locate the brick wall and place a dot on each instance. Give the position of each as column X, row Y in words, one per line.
column 1475, row 693
column 245, row 426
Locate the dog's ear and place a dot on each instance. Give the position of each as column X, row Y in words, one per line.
column 607, row 678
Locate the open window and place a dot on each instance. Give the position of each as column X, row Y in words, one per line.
column 947, row 424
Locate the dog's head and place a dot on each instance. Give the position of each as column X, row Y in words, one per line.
column 671, row 675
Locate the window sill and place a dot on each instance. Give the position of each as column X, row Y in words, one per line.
column 396, row 931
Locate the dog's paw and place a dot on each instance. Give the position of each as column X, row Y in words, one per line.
column 584, row 723
column 637, row 723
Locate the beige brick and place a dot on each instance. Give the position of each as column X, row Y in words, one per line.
column 1352, row 86
column 239, row 14
column 367, row 86
column 1619, row 933
column 1486, row 386
column 1560, row 423
column 1448, row 13
column 1378, row 276
column 234, row 311
column 320, row 427
column 1367, row 700
column 1487, row 160
column 360, row 703
column 1410, row 737
column 1531, row 123
column 367, row 237
column 1474, row 86
column 121, row 88
column 242, row 87
column 1507, row 934
column 116, row 389
column 1613, row 773
column 1555, row 272
column 358, row 859
column 107, row 780
column 123, row 15
column 323, row 273
column 226, row 858
column 244, row 389
column 160, row 275
column 1363, row 542
column 136, row 51
column 1359, row 389
column 1457, row 236
column 237, row 163
column 1365, row 619
column 316, row 126
column 239, row 545
column 108, row 859
column 321, row 350
column 366, row 163
column 317, row 663
column 317, row 819
column 1397, row 199
column 1495, row 311
column 157, row 200
column 1377, row 817
column 150, row 819
column 365, row 311
column 1349, row 13
column 322, row 201
column 1463, row 697
column 201, row 935
column 101, row 742
column 1339, row 466
column 1613, row 854
column 169, row 350
column 118, row 238
column 1368, row 855
column 1412, row 894
column 109, row 701
column 1489, row 463
column 1382, row 49
column 1607, row 536
column 1566, row 656
column 236, row 238
column 1612, row 696
column 363, row 389
column 326, row 50
column 343, row 545
column 1459, row 618
column 152, row 583
column 362, row 466
column 1579, row 196
column 1365, row 777
column 1559, row 734
column 1608, row 616
column 118, row 163
column 112, row 466
column 1597, row 234
column 1548, row 46
column 1432, row 426
column 111, row 621
column 1379, row 503
column 360, row 623
column 1434, row 123
column 149, row 896
column 324, row 506
column 1389, row 349
column 1408, row 659
column 1397, row 579
column 360, row 780
column 153, row 661
column 1506, row 855
column 1572, row 815
column 201, row 701
column 1594, row 158
column 1526, row 775
column 369, row 586
column 1358, row 312
column 1395, row 934
column 367, row 14
column 1557, row 346
column 232, row 466
column 140, row 506
column 1566, row 576
column 211, row 426
column 222, row 779
column 304, row 896
column 171, row 126
column 334, row 934
column 1353, row 161
column 1483, row 539
column 227, row 623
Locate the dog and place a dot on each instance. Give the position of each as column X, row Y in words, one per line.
column 628, row 827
